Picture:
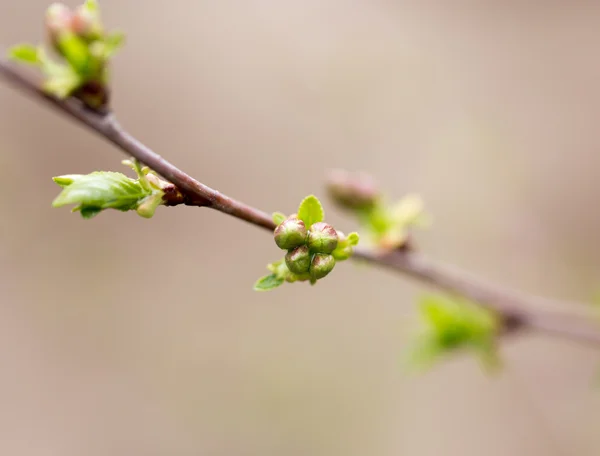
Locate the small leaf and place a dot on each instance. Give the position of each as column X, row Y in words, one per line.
column 25, row 53
column 62, row 80
column 353, row 238
column 97, row 191
column 114, row 42
column 62, row 86
column 91, row 6
column 311, row 211
column 76, row 52
column 66, row 180
column 267, row 283
column 342, row 253
column 278, row 218
column 148, row 206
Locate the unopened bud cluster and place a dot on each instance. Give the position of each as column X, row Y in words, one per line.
column 78, row 36
column 82, row 22
column 308, row 250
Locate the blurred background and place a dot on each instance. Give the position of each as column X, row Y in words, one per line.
column 126, row 336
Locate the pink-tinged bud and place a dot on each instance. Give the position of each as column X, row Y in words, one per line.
column 321, row 265
column 298, row 260
column 322, row 238
column 290, row 234
column 352, row 191
column 58, row 21
column 85, row 24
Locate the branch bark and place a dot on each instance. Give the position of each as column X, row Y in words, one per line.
column 519, row 310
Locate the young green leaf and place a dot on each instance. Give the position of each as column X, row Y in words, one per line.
column 148, row 206
column 76, row 52
column 25, row 53
column 66, row 180
column 278, row 218
column 311, row 211
column 63, row 85
column 91, row 5
column 268, row 282
column 97, row 191
column 353, row 238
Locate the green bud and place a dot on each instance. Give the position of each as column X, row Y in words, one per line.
column 322, row 238
column 58, row 21
column 355, row 192
column 321, row 265
column 344, row 250
column 148, row 206
column 298, row 260
column 290, row 234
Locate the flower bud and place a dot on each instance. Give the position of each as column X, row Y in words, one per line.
column 86, row 24
column 356, row 192
column 322, row 238
column 298, row 260
column 321, row 265
column 58, row 21
column 148, row 206
column 290, row 234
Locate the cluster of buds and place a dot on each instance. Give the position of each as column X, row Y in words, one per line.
column 62, row 22
column 78, row 37
column 387, row 225
column 312, row 246
column 309, row 251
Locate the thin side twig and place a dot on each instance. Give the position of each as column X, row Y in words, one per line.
column 519, row 310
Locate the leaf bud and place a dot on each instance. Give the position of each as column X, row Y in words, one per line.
column 58, row 21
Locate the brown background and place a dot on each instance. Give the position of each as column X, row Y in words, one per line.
column 123, row 336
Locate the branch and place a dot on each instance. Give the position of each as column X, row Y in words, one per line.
column 518, row 309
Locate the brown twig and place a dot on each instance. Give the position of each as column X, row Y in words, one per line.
column 518, row 310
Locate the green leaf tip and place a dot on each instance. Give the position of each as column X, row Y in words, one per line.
column 84, row 49
column 268, row 282
column 25, row 53
column 100, row 190
column 278, row 218
column 353, row 238
column 311, row 211
column 91, row 6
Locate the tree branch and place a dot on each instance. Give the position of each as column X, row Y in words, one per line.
column 518, row 309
